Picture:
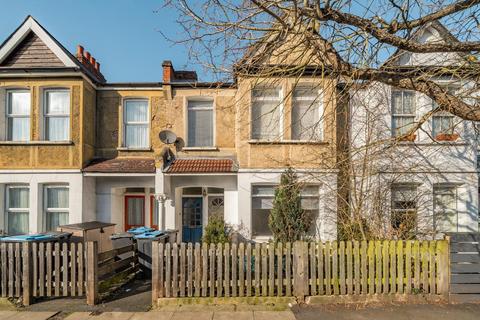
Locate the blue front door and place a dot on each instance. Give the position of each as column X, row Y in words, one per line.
column 192, row 219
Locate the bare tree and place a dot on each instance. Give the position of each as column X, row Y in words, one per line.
column 351, row 39
column 355, row 43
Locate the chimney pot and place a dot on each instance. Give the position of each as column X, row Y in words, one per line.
column 97, row 66
column 87, row 55
column 79, row 51
column 92, row 61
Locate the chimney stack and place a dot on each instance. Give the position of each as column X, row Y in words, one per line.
column 168, row 72
column 79, row 52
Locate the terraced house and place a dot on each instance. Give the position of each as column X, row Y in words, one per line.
column 74, row 147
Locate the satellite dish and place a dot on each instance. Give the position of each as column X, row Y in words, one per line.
column 167, row 136
column 179, row 144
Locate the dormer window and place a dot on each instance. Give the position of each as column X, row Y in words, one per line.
column 18, row 115
column 57, row 114
column 266, row 114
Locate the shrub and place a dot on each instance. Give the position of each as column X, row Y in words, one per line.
column 288, row 221
column 217, row 231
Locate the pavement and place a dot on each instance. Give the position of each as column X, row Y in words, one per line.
column 388, row 312
column 152, row 315
column 303, row 312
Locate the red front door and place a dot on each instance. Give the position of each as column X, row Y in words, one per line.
column 134, row 212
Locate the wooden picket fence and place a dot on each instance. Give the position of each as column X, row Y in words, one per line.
column 35, row 270
column 299, row 269
column 42, row 270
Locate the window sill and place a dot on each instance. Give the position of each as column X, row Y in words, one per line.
column 36, row 143
column 134, row 149
column 308, row 142
column 199, row 149
column 262, row 238
column 432, row 143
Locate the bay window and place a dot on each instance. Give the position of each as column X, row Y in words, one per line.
column 56, row 206
column 18, row 115
column 306, row 114
column 403, row 112
column 136, row 123
column 57, row 114
column 17, row 210
column 266, row 114
column 445, row 208
column 200, row 123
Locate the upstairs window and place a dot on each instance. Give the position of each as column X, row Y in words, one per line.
column 445, row 208
column 56, row 207
column 404, row 210
column 442, row 121
column 136, row 124
column 306, row 114
column 403, row 112
column 57, row 115
column 18, row 206
column 200, row 123
column 18, row 115
column 266, row 114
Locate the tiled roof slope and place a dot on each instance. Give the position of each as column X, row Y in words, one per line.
column 121, row 165
column 201, row 166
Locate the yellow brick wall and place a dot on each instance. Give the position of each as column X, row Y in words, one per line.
column 40, row 154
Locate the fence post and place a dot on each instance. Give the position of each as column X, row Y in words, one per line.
column 92, row 273
column 27, row 273
column 443, row 267
column 155, row 272
column 300, row 265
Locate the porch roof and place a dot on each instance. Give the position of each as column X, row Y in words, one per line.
column 121, row 165
column 199, row 165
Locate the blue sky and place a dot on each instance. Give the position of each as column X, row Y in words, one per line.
column 121, row 34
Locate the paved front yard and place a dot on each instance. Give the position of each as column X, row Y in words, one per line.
column 389, row 312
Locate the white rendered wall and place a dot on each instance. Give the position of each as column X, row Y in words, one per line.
column 110, row 198
column 36, row 182
column 327, row 182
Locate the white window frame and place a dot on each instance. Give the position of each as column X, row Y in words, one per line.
column 437, row 211
column 272, row 196
column 47, row 116
column 319, row 101
column 443, row 114
column 47, row 210
column 405, row 210
column 139, row 123
column 8, row 115
column 14, row 210
column 402, row 115
column 212, row 108
column 281, row 107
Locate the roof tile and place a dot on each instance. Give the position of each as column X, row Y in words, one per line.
column 121, row 165
column 201, row 166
